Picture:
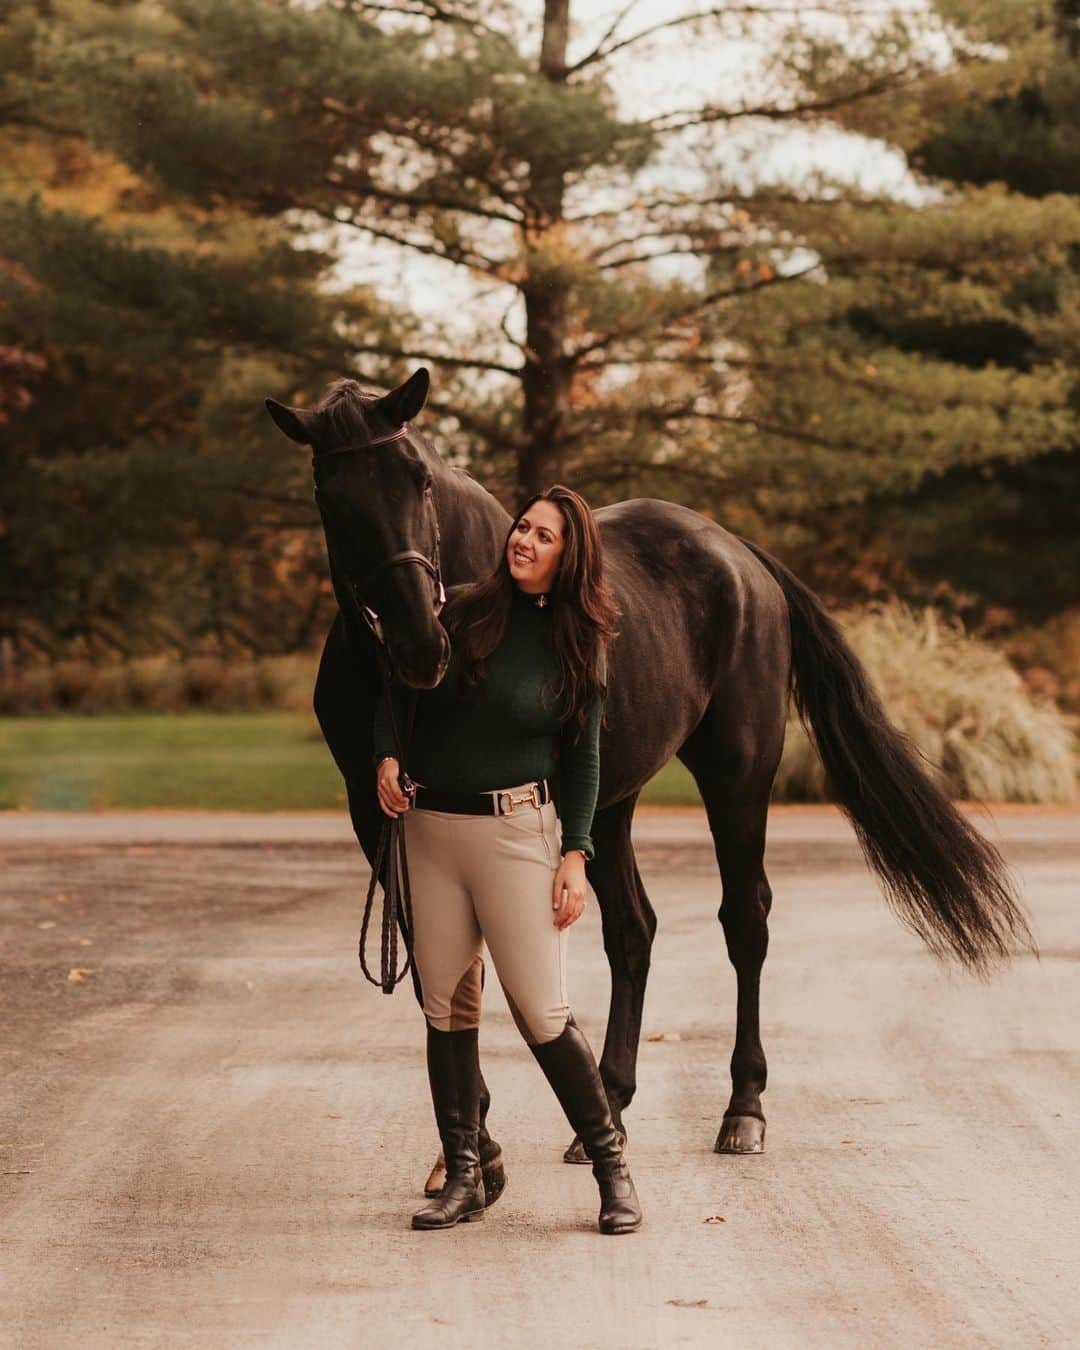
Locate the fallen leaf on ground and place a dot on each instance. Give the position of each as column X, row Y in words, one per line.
column 77, row 974
column 716, row 1218
column 689, row 1302
column 664, row 1036
column 847, row 1141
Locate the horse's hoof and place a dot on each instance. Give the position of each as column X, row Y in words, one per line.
column 494, row 1175
column 741, row 1134
column 437, row 1179
column 576, row 1152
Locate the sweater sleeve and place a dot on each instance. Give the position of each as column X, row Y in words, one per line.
column 579, row 780
column 383, row 738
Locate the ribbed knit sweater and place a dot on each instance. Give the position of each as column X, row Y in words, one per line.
column 504, row 733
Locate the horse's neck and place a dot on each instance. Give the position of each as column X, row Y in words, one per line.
column 472, row 525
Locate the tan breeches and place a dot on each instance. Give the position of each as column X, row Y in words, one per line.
column 488, row 879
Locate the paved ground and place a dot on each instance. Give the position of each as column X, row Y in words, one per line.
column 212, row 1132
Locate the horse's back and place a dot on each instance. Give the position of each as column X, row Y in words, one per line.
column 698, row 579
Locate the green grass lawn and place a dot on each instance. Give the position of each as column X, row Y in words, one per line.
column 271, row 761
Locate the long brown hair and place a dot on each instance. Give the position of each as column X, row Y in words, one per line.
column 583, row 610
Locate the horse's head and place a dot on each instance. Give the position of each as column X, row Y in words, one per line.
column 374, row 490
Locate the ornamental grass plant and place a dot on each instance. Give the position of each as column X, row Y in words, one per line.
column 984, row 733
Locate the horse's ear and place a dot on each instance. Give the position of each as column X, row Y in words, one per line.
column 403, row 403
column 297, row 423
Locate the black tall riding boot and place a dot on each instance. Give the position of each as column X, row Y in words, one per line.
column 570, row 1068
column 491, row 1159
column 454, row 1074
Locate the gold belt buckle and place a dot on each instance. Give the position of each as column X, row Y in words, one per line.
column 532, row 795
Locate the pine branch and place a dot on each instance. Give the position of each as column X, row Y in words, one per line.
column 601, row 51
column 697, row 117
column 521, row 346
column 665, row 232
column 615, row 470
column 436, row 14
column 442, row 358
column 475, row 262
column 19, row 113
column 648, row 205
column 695, row 251
column 663, row 414
column 489, row 431
column 427, row 140
column 693, row 307
column 366, row 188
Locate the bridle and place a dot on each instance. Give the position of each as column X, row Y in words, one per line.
column 361, row 590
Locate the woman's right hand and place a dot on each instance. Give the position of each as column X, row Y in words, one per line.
column 388, row 786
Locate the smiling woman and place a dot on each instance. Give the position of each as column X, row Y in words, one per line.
column 521, row 703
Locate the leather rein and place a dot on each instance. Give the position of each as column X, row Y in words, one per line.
column 397, row 894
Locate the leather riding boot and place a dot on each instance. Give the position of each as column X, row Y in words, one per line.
column 491, row 1161
column 454, row 1074
column 570, row 1068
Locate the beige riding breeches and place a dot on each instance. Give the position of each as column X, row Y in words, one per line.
column 488, row 879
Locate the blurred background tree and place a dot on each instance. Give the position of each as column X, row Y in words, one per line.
column 876, row 382
column 144, row 508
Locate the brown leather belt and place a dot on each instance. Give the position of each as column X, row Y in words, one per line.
column 498, row 802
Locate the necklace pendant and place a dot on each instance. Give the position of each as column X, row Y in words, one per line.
column 541, row 600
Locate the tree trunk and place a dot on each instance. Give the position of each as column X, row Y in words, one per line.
column 546, row 378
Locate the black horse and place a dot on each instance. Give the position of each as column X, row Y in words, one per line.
column 714, row 636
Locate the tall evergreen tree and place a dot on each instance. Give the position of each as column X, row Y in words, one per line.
column 143, row 496
column 950, row 335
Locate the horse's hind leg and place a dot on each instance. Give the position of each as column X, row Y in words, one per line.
column 736, row 807
column 629, row 924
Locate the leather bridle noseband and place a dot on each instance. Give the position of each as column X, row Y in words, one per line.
column 433, row 567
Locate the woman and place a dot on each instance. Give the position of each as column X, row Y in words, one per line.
column 490, row 861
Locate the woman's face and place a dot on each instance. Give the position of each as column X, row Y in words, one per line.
column 535, row 547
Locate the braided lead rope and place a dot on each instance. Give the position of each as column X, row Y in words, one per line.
column 397, row 892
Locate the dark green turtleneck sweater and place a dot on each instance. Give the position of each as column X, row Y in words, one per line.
column 502, row 734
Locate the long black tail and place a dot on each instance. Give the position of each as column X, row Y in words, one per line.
column 940, row 875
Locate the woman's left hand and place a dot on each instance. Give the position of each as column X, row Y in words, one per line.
column 568, row 892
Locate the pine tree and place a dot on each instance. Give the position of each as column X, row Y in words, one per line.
column 145, row 500
column 951, row 341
